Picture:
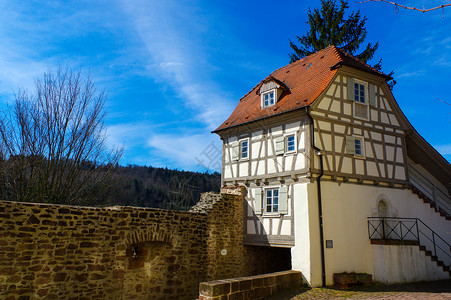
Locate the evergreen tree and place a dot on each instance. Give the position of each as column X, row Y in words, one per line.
column 328, row 26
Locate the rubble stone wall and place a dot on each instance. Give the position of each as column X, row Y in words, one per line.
column 64, row 252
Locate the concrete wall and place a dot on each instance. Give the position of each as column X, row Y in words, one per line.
column 54, row 252
column 399, row 264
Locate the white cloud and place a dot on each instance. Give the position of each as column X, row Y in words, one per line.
column 198, row 151
column 127, row 134
column 444, row 149
column 169, row 30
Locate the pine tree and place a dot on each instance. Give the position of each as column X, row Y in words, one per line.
column 328, row 26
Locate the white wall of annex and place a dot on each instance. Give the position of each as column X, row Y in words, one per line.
column 346, row 208
column 301, row 254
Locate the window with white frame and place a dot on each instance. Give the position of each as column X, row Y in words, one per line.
column 290, row 143
column 268, row 98
column 359, row 92
column 272, row 200
column 285, row 144
column 244, row 149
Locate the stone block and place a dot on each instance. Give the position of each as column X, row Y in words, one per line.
column 236, row 296
column 344, row 280
column 257, row 282
column 58, row 277
column 215, row 288
column 245, row 284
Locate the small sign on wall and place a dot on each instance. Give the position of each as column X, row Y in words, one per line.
column 329, row 244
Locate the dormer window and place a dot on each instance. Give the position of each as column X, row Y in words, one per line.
column 268, row 98
column 270, row 91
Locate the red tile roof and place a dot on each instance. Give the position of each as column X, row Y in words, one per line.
column 306, row 79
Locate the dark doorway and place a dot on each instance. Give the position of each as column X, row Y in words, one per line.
column 263, row 260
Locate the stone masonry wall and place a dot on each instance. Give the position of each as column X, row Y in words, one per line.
column 61, row 252
column 64, row 252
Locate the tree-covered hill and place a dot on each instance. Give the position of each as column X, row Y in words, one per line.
column 158, row 187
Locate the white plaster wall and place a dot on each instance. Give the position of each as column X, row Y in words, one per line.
column 301, row 255
column 346, row 208
column 399, row 264
column 345, row 211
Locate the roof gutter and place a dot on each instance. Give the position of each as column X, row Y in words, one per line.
column 318, row 186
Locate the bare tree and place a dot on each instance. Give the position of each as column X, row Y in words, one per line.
column 442, row 6
column 52, row 142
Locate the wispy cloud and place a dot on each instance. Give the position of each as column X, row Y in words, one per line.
column 408, row 74
column 170, row 31
column 198, row 151
column 444, row 149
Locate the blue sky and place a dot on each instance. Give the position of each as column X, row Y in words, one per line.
column 174, row 70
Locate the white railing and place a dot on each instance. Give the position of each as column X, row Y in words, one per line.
column 440, row 198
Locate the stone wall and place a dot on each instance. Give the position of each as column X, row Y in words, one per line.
column 56, row 252
column 250, row 288
column 64, row 252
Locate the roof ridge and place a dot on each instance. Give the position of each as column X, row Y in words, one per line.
column 302, row 59
column 342, row 54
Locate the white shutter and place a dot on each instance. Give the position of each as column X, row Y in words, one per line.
column 235, row 151
column 351, row 89
column 350, row 145
column 372, row 95
column 279, row 145
column 258, row 201
column 283, row 200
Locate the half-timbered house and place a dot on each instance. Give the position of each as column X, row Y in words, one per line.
column 336, row 174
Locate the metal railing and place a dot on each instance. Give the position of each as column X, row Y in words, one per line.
column 439, row 197
column 410, row 229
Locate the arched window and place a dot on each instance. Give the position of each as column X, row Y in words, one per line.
column 382, row 209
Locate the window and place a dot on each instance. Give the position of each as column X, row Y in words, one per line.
column 290, row 141
column 272, row 200
column 358, row 147
column 359, row 92
column 354, row 145
column 240, row 150
column 285, row 144
column 244, row 149
column 268, row 99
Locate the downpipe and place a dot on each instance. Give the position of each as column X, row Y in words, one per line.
column 318, row 186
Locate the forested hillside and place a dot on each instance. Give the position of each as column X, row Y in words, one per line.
column 158, row 187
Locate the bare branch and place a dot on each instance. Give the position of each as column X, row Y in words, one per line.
column 443, row 101
column 52, row 143
column 407, row 7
